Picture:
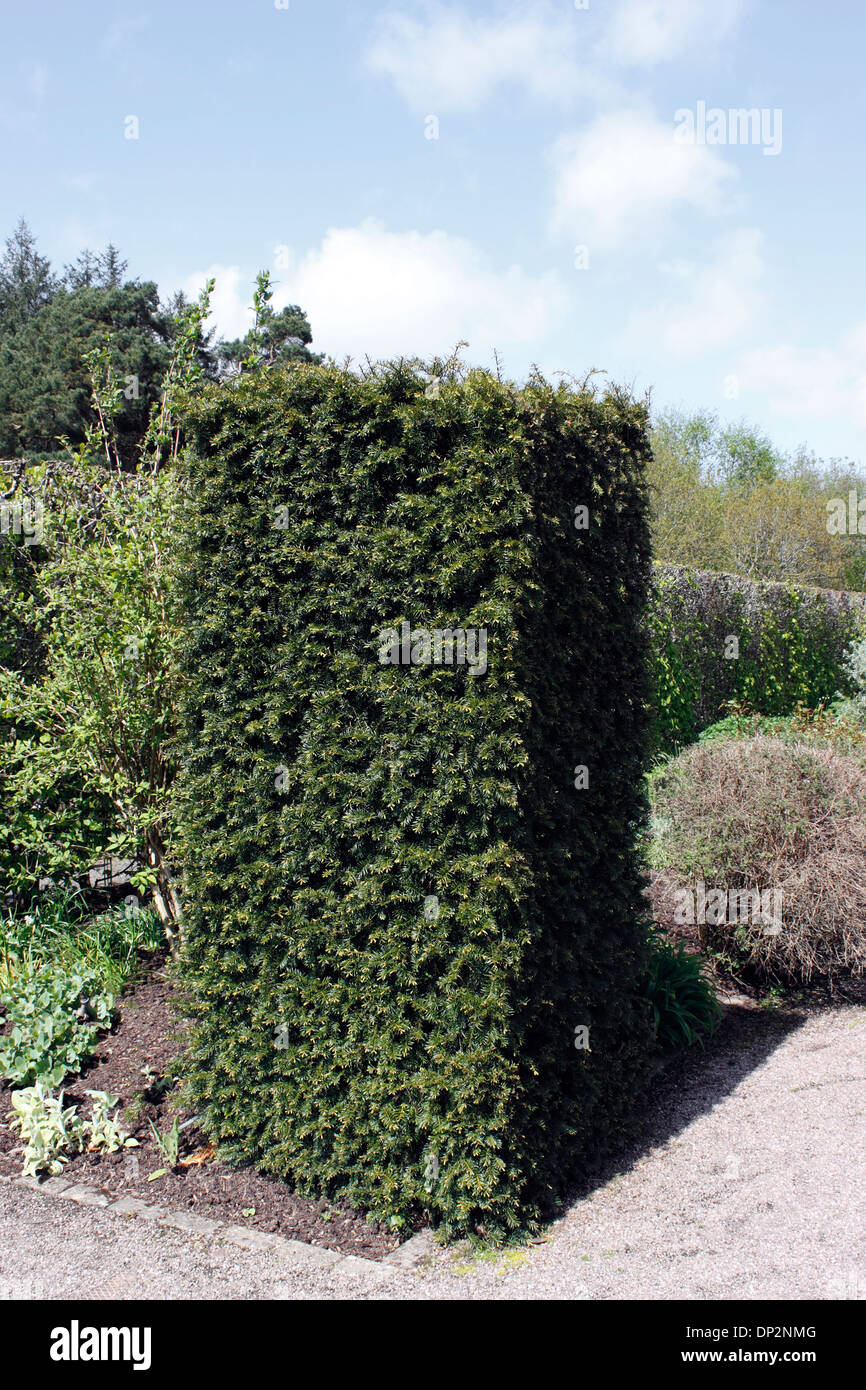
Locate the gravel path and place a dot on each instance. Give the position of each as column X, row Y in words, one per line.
column 750, row 1182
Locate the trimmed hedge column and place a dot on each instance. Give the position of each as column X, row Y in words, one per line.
column 416, row 719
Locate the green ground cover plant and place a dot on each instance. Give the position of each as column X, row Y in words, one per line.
column 55, row 1018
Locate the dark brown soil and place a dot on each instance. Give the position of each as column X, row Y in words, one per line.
column 149, row 1035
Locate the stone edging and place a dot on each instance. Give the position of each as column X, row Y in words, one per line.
column 407, row 1256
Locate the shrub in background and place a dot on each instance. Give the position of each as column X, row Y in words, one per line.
column 791, row 646
column 855, row 670
column 87, row 704
column 399, row 908
column 51, row 827
column 838, row 726
column 763, row 814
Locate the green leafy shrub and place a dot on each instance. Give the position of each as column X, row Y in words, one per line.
column 48, row 1131
column 682, row 998
column 775, row 831
column 855, row 670
column 51, row 827
column 87, row 708
column 718, row 638
column 399, row 904
column 101, row 710
column 55, row 1020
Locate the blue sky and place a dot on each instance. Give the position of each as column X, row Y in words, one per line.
column 298, row 139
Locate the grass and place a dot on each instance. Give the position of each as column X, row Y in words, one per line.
column 59, row 930
column 839, row 726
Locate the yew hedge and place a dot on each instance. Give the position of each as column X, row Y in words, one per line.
column 402, row 904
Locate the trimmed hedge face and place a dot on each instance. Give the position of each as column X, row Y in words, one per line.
column 399, row 905
column 790, row 648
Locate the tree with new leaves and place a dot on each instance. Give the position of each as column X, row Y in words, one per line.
column 723, row 498
column 100, row 710
column 277, row 339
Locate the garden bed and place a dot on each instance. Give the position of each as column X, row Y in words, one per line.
column 148, row 1035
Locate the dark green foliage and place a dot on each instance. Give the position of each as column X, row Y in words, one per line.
column 49, row 327
column 791, row 645
column 106, row 271
column 681, row 995
column 349, row 1036
column 26, row 281
column 45, row 390
column 281, row 338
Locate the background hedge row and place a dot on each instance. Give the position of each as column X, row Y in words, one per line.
column 790, row 647
column 399, row 907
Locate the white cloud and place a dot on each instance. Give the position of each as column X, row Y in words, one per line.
column 450, row 61
column 714, row 304
column 642, row 33
column 231, row 313
column 370, row 291
column 821, row 383
column 616, row 180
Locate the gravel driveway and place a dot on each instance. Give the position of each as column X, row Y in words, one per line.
column 750, row 1182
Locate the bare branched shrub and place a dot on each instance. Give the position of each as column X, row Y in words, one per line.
column 785, row 820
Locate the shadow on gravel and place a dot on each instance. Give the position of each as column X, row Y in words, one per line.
column 691, row 1082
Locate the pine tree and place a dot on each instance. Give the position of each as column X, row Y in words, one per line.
column 26, row 280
